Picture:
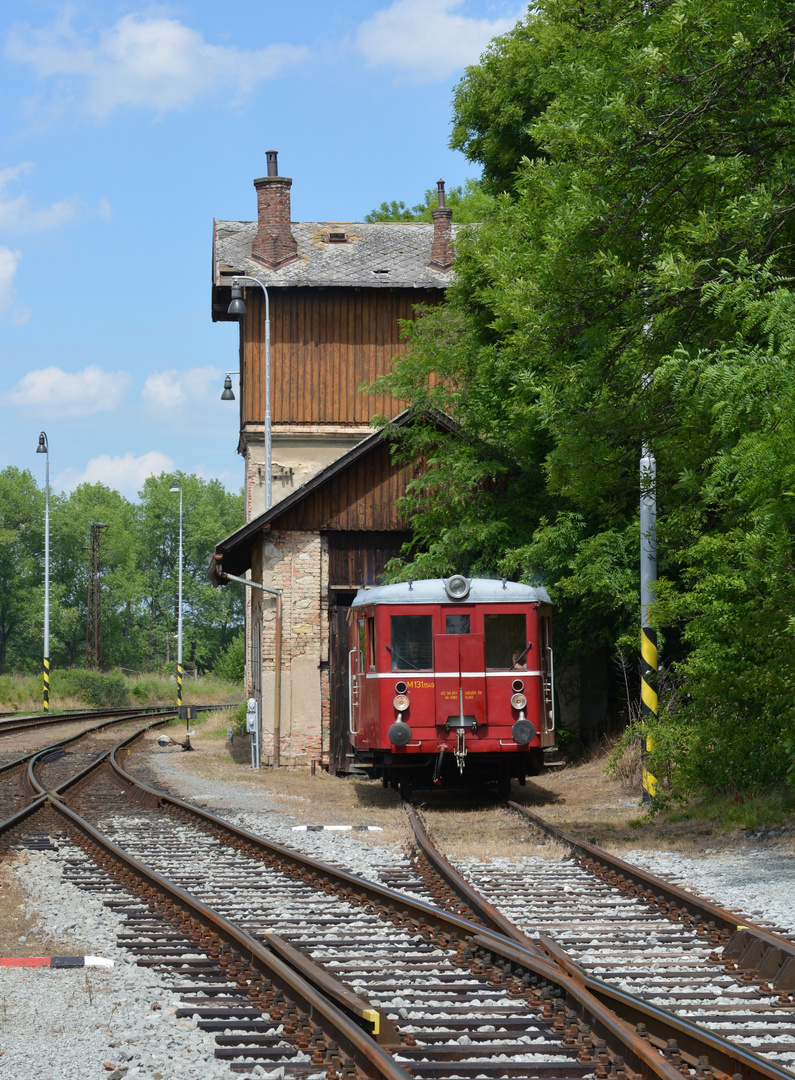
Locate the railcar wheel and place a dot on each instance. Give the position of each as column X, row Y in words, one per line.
column 404, row 787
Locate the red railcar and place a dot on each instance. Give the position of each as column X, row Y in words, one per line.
column 451, row 681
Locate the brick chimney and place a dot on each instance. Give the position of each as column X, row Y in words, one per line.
column 442, row 253
column 274, row 245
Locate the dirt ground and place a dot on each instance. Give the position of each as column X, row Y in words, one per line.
column 580, row 799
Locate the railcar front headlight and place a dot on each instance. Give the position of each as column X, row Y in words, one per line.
column 401, row 702
column 519, row 701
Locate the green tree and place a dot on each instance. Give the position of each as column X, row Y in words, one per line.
column 211, row 617
column 121, row 582
column 21, row 555
column 630, row 286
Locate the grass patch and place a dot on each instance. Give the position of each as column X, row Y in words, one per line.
column 722, row 813
column 78, row 688
column 755, row 811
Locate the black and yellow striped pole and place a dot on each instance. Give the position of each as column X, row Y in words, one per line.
column 44, row 448
column 648, row 637
column 45, row 672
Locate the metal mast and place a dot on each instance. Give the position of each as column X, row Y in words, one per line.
column 94, row 617
column 648, row 636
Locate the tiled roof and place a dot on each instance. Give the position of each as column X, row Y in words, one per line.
column 384, row 254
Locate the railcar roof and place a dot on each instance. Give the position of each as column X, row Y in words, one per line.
column 481, row 591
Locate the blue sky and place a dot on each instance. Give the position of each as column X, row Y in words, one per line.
column 125, row 129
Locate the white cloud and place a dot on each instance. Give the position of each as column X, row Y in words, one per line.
column 16, row 213
column 145, row 60
column 188, row 390
column 125, row 473
column 72, row 393
column 10, row 308
column 426, row 38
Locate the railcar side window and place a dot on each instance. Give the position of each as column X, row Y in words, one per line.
column 412, row 642
column 456, row 624
column 361, row 644
column 371, row 643
column 505, row 641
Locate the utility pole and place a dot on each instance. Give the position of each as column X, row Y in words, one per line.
column 648, row 637
column 94, row 616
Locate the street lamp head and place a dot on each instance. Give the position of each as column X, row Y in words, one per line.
column 175, row 486
column 42, row 448
column 237, row 305
column 228, row 394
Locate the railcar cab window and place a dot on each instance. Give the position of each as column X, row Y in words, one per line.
column 412, row 642
column 506, row 641
column 457, row 624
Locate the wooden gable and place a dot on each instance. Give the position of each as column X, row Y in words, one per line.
column 361, row 496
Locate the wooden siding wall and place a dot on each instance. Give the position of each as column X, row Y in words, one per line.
column 359, row 558
column 360, row 497
column 324, row 344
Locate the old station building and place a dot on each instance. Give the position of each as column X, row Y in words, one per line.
column 337, row 292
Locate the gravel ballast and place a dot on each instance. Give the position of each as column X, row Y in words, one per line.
column 71, row 1022
column 76, row 1022
column 757, row 881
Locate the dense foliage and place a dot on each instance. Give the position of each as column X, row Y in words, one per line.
column 139, row 573
column 631, row 285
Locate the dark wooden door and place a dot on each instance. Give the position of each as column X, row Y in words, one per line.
column 339, row 733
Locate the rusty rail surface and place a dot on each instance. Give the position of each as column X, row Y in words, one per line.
column 750, row 947
column 661, row 1025
column 213, row 931
column 345, row 1017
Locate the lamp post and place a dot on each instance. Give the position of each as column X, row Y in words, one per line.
column 44, row 448
column 238, row 307
column 176, row 486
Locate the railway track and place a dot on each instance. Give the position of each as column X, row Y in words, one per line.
column 57, row 762
column 624, row 927
column 295, row 965
column 14, row 724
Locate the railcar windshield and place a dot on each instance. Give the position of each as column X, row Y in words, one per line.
column 506, row 641
column 412, row 642
column 456, row 624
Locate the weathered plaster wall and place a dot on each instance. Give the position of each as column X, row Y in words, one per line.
column 296, row 563
column 297, row 456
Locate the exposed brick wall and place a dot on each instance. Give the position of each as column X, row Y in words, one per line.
column 442, row 253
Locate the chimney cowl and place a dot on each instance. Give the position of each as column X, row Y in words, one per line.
column 274, row 245
column 442, row 252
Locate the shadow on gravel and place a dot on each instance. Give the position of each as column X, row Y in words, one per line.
column 371, row 793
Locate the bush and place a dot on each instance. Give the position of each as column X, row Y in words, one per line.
column 231, row 664
column 94, row 687
column 239, row 720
